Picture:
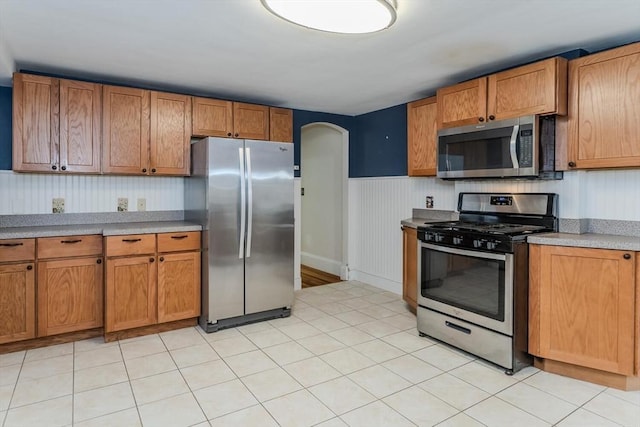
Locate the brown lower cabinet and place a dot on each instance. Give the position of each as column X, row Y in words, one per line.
column 409, row 266
column 17, row 301
column 149, row 282
column 583, row 315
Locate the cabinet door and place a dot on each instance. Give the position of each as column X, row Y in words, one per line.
column 582, row 307
column 409, row 266
column 69, row 295
column 130, row 293
column 462, row 104
column 125, row 130
column 250, row 121
column 604, row 112
column 17, row 302
column 170, row 134
column 538, row 88
column 212, row 117
column 178, row 286
column 80, row 116
column 280, row 124
column 35, row 123
column 422, row 137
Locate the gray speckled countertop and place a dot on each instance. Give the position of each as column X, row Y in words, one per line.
column 588, row 240
column 422, row 216
column 118, row 229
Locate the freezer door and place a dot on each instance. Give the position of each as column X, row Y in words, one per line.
column 225, row 229
column 269, row 246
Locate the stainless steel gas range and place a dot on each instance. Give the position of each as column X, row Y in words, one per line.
column 473, row 274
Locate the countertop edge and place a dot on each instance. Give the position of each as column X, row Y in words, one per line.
column 117, row 229
column 587, row 240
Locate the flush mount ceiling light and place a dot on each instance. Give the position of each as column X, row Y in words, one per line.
column 336, row 16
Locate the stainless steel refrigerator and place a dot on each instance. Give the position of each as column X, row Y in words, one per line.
column 241, row 192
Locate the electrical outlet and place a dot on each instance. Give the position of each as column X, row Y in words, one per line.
column 57, row 205
column 142, row 204
column 123, row 204
column 429, row 202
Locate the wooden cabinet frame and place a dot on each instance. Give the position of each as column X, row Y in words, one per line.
column 422, row 137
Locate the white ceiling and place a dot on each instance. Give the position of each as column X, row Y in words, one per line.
column 235, row 49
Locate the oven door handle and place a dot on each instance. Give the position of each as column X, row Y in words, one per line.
column 454, row 251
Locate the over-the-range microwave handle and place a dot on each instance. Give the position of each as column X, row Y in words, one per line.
column 513, row 145
column 243, row 204
column 249, row 201
column 464, row 252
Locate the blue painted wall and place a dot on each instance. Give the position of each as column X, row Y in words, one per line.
column 379, row 147
column 5, row 128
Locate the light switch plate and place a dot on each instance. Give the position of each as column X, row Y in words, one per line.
column 123, row 204
column 57, row 205
column 142, row 204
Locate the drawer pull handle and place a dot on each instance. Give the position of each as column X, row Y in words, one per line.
column 71, row 241
column 131, row 240
column 184, row 236
column 626, row 256
column 11, row 245
column 458, row 327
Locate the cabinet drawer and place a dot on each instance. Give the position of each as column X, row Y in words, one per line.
column 173, row 242
column 133, row 244
column 17, row 250
column 69, row 246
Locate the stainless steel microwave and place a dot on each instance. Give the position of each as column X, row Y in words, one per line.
column 523, row 147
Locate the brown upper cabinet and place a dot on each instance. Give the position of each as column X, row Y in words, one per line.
column 604, row 110
column 56, row 125
column 538, row 88
column 422, row 122
column 280, row 124
column 227, row 119
column 145, row 132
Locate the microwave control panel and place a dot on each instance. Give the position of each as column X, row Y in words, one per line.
column 525, row 143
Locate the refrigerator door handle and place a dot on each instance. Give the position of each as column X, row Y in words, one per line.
column 249, row 202
column 243, row 204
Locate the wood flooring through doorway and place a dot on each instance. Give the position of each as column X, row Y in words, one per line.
column 312, row 277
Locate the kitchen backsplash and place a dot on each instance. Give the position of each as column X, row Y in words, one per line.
column 33, row 193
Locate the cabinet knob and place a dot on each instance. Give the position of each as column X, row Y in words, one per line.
column 54, row 167
column 151, row 259
column 99, row 261
column 481, row 119
column 153, row 170
column 572, row 164
column 492, row 117
column 144, row 170
column 29, row 267
column 229, row 134
column 236, row 134
column 161, row 258
column 64, row 168
column 626, row 256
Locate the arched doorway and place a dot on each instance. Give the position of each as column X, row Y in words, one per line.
column 324, row 164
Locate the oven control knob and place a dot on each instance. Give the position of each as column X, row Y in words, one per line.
column 457, row 240
column 477, row 243
column 491, row 245
column 439, row 237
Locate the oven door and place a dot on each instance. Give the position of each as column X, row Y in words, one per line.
column 466, row 284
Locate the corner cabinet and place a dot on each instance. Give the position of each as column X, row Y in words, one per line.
column 538, row 88
column 280, row 124
column 422, row 137
column 56, row 125
column 17, row 290
column 604, row 110
column 145, row 132
column 582, row 313
column 409, row 266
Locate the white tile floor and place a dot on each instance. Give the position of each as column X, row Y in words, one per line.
column 348, row 356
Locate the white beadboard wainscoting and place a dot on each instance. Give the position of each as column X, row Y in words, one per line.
column 377, row 205
column 25, row 193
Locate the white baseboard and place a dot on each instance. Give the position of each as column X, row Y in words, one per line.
column 380, row 282
column 320, row 263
